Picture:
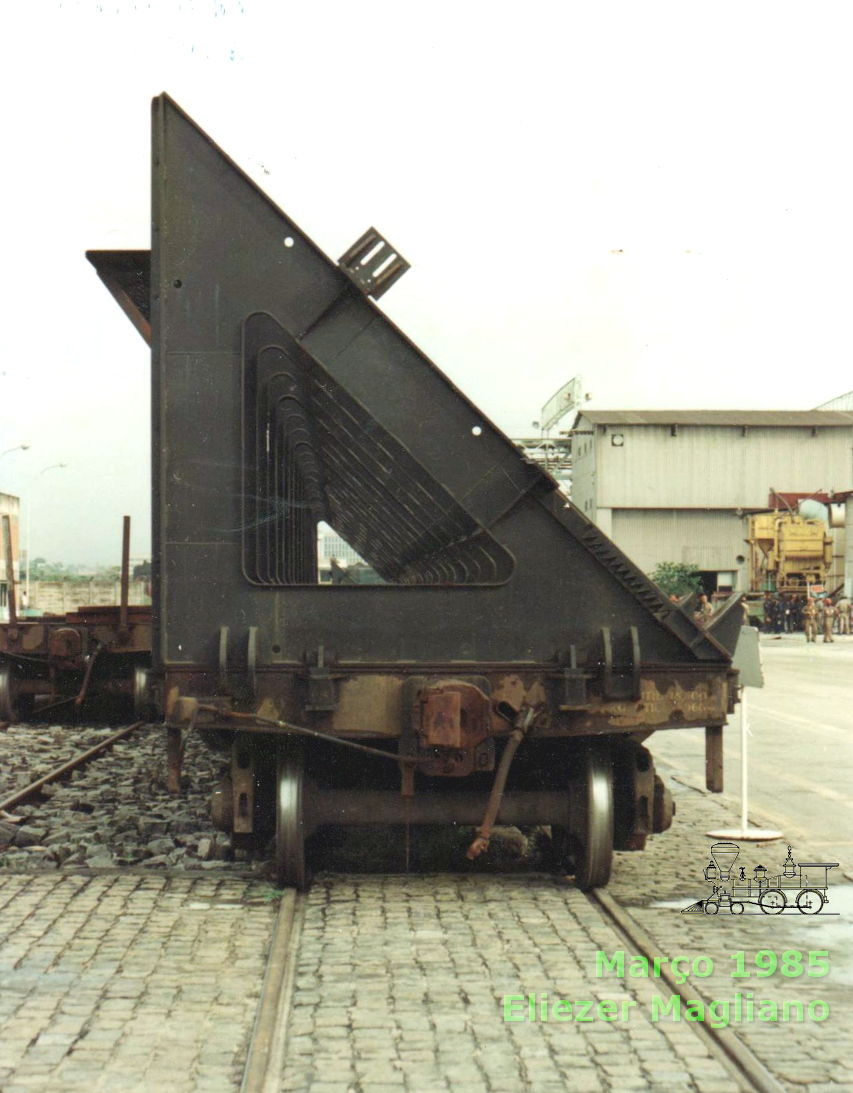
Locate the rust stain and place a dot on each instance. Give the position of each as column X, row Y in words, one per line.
column 659, row 704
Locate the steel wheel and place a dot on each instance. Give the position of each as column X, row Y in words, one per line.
column 289, row 828
column 809, row 901
column 7, row 704
column 591, row 810
column 772, row 902
column 736, row 908
column 711, row 907
column 13, row 706
column 140, row 678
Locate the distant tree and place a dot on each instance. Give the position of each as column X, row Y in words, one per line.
column 676, row 578
column 142, row 572
column 42, row 570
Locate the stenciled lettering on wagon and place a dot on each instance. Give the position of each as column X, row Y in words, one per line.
column 656, row 706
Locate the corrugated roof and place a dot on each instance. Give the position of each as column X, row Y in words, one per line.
column 781, row 418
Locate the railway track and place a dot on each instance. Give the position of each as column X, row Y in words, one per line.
column 28, row 792
column 266, row 1059
column 722, row 1042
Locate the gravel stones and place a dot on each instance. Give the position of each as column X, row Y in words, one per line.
column 116, row 811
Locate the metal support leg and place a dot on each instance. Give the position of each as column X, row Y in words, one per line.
column 714, row 758
column 174, row 758
column 243, row 782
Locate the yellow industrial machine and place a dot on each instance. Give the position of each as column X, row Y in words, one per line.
column 788, row 552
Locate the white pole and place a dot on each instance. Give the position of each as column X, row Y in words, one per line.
column 745, row 832
column 744, row 762
column 29, row 527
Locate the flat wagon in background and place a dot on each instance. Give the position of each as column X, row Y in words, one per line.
column 60, row 664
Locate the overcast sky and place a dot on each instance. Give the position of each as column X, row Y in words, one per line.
column 653, row 195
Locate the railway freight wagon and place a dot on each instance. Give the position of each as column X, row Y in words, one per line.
column 513, row 660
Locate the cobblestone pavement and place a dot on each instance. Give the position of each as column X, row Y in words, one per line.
column 147, row 982
column 401, row 980
column 128, row 982
column 656, row 885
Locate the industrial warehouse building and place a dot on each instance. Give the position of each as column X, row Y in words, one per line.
column 678, row 485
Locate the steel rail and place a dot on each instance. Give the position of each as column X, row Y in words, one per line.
column 265, row 1060
column 725, row 1044
column 21, row 795
column 266, row 1055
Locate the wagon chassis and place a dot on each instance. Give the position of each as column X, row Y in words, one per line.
column 602, row 797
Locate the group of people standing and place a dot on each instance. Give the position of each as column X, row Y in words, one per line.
column 790, row 613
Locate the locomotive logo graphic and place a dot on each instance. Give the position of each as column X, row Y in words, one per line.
column 801, row 886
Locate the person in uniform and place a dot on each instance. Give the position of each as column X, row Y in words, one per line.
column 704, row 610
column 778, row 614
column 768, row 613
column 810, row 620
column 828, row 617
column 843, row 609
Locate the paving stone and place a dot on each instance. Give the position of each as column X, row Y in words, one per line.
column 451, row 1033
column 106, row 1028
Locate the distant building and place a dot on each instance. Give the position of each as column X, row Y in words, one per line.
column 331, row 545
column 677, row 485
column 9, row 506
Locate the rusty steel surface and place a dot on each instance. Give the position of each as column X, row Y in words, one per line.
column 77, row 632
column 453, row 714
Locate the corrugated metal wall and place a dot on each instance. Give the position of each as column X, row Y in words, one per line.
column 583, row 472
column 708, row 539
column 716, row 467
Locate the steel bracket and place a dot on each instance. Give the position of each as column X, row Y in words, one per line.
column 243, row 783
column 373, row 264
column 635, row 790
column 620, row 679
column 573, row 692
column 322, row 696
column 447, row 726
